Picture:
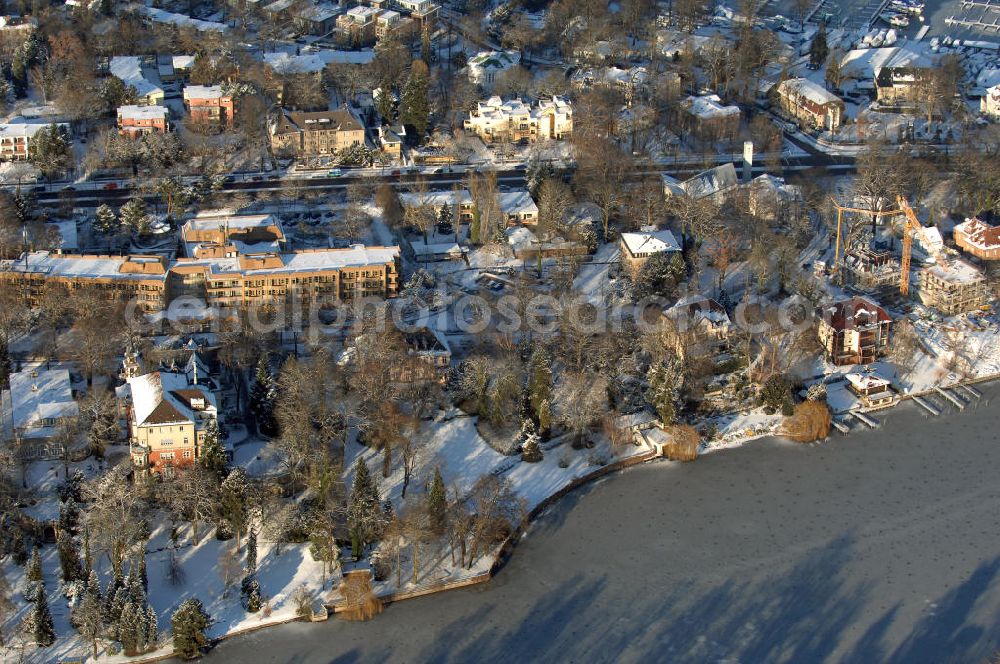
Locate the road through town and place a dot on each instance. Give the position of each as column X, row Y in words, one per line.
column 882, row 546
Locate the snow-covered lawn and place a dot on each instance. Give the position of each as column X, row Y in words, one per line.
column 279, row 575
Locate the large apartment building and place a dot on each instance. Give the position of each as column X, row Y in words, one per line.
column 514, row 120
column 316, row 133
column 209, row 106
column 219, row 280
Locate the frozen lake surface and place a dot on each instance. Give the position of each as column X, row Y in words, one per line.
column 883, row 546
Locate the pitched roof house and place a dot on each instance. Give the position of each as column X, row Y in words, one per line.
column 168, row 414
column 854, row 331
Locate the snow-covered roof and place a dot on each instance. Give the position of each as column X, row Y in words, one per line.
column 20, row 130
column 213, row 219
column 436, row 198
column 928, row 239
column 867, row 381
column 979, row 234
column 318, row 13
column 362, row 14
column 495, row 59
column 866, row 63
column 309, row 260
column 650, row 242
column 82, row 266
column 37, row 395
column 517, row 202
column 129, row 69
column 182, row 20
column 163, row 397
column 955, row 270
column 203, row 92
column 807, row 89
column 286, row 63
column 711, row 182
column 709, row 107
column 133, row 112
column 182, row 61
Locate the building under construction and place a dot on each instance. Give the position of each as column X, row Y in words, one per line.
column 952, row 286
column 871, row 268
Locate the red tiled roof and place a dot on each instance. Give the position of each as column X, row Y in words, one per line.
column 847, row 314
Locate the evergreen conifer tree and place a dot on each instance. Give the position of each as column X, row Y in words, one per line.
column 262, row 398
column 5, row 364
column 188, row 624
column 530, row 450
column 42, row 627
column 105, row 219
column 437, row 502
column 88, row 617
column 69, row 559
column 414, row 107
column 819, row 48
column 213, row 455
column 363, row 512
column 33, row 576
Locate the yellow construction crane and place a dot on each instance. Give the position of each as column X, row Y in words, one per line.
column 910, row 224
column 841, row 209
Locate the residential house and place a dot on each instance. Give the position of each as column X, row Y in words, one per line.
column 316, row 133
column 772, row 199
column 872, row 390
column 317, row 20
column 525, row 245
column 633, row 83
column 15, row 139
column 424, row 12
column 518, row 207
column 37, row 411
column 134, row 121
column 978, row 238
column 707, row 119
column 209, row 106
column 810, row 103
column 391, row 23
column 636, row 248
column 713, row 183
column 516, row 121
column 357, row 25
column 854, row 331
column 460, row 201
column 952, row 286
column 390, row 140
column 890, row 72
column 168, row 414
column 484, row 67
column 129, row 68
column 698, row 326
column 428, row 357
